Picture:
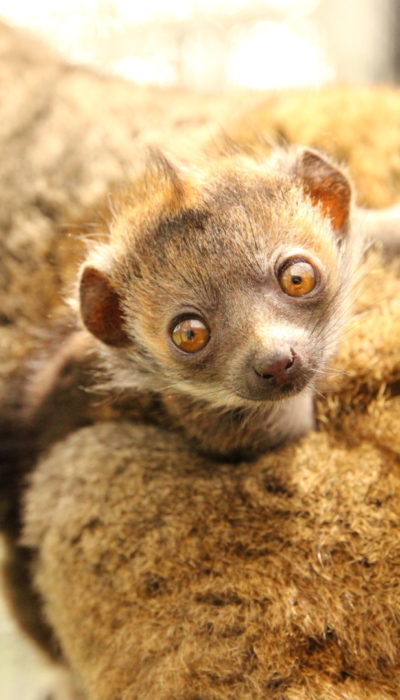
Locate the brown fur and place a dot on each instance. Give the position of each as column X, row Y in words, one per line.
column 343, row 122
column 167, row 575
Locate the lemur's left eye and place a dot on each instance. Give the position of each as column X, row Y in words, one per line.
column 297, row 277
column 190, row 334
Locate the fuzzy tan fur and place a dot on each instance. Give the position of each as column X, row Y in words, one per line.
column 168, row 576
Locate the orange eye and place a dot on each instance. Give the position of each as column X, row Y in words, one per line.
column 190, row 335
column 297, row 278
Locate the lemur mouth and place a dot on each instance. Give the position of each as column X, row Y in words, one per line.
column 273, row 396
column 264, row 389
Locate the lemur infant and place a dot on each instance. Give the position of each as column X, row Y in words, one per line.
column 223, row 292
column 216, row 301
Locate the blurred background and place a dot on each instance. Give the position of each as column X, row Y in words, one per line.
column 211, row 47
column 216, row 45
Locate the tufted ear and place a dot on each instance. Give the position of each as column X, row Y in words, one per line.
column 327, row 186
column 101, row 308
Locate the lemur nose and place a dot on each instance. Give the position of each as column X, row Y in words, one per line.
column 277, row 368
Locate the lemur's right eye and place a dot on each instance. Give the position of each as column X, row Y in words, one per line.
column 190, row 334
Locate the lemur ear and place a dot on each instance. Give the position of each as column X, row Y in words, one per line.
column 101, row 308
column 327, row 186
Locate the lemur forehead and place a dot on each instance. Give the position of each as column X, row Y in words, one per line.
column 233, row 196
column 164, row 187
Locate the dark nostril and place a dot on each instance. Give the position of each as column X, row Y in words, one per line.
column 290, row 362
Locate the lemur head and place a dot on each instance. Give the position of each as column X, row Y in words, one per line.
column 228, row 283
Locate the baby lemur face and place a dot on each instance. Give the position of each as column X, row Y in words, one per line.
column 227, row 284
